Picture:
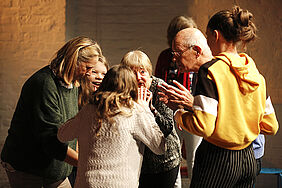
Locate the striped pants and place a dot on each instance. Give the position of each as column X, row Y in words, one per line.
column 216, row 167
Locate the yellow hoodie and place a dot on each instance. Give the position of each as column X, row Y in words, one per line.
column 231, row 106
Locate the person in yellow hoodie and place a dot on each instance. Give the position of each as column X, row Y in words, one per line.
column 230, row 107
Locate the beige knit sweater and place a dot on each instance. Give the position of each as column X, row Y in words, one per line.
column 114, row 158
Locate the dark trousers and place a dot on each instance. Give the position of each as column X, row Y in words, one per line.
column 18, row 179
column 217, row 167
column 161, row 180
column 258, row 165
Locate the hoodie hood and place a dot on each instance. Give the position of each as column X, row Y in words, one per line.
column 244, row 69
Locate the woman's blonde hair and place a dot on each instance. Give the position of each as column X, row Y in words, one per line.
column 137, row 59
column 75, row 51
column 118, row 90
column 85, row 89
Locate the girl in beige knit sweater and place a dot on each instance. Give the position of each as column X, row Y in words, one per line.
column 112, row 132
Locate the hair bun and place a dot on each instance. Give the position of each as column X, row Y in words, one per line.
column 241, row 17
column 235, row 25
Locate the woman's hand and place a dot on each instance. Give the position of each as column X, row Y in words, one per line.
column 144, row 96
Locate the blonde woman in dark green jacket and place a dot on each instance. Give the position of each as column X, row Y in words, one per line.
column 32, row 155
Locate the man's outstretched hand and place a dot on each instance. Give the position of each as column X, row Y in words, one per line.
column 176, row 98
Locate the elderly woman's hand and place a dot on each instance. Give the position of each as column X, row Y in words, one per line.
column 144, row 96
column 176, row 98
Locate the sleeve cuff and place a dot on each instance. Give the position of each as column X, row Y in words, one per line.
column 177, row 116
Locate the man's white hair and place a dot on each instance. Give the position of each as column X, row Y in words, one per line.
column 193, row 36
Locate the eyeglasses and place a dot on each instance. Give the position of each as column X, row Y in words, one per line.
column 179, row 53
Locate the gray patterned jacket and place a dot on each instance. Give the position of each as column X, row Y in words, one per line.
column 153, row 163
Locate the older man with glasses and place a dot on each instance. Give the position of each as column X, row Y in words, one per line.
column 229, row 109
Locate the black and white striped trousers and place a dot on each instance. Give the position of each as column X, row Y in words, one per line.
column 216, row 167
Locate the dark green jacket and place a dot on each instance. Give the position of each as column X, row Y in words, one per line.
column 32, row 145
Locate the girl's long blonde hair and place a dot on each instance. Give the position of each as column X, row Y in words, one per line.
column 118, row 90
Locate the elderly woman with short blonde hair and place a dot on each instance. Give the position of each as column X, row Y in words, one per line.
column 157, row 170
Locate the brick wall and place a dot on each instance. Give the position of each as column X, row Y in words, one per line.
column 121, row 26
column 30, row 33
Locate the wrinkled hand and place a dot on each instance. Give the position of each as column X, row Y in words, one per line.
column 175, row 98
column 144, row 96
